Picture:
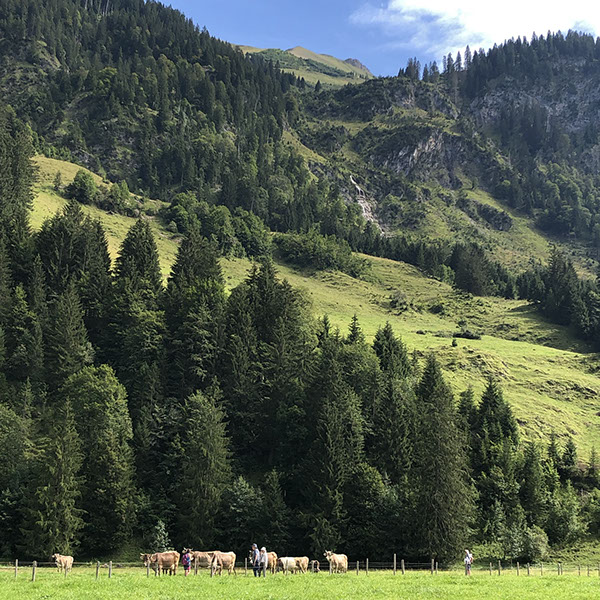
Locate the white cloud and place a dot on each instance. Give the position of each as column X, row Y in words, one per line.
column 439, row 26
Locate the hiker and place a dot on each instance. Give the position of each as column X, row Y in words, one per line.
column 263, row 561
column 468, row 562
column 186, row 561
column 255, row 558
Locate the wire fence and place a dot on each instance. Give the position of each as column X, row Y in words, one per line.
column 363, row 567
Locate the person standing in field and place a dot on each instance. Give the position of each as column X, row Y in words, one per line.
column 255, row 557
column 468, row 562
column 263, row 562
column 186, row 561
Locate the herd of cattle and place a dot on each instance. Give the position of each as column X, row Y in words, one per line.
column 216, row 561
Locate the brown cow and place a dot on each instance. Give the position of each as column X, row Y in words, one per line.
column 272, row 562
column 302, row 563
column 204, row 558
column 338, row 562
column 223, row 559
column 63, row 563
column 162, row 561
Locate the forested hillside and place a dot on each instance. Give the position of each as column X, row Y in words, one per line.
column 142, row 413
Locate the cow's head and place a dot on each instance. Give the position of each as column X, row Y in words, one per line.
column 146, row 559
column 54, row 557
column 327, row 553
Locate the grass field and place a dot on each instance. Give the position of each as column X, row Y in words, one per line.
column 133, row 583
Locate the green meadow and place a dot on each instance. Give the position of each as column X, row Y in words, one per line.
column 127, row 583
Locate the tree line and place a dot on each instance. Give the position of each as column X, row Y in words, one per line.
column 133, row 412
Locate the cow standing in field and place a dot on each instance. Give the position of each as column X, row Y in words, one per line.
column 63, row 563
column 203, row 559
column 315, row 566
column 338, row 562
column 222, row 560
column 302, row 563
column 162, row 561
column 287, row 564
column 272, row 561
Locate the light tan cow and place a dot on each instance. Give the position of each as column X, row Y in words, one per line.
column 63, row 563
column 338, row 562
column 204, row 558
column 223, row 559
column 287, row 564
column 302, row 563
column 162, row 561
column 272, row 562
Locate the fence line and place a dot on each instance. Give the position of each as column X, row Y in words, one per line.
column 531, row 569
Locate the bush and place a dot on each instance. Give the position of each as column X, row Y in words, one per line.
column 535, row 544
column 320, row 252
column 82, row 188
column 467, row 334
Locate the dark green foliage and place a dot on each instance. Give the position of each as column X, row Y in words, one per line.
column 52, row 518
column 204, row 470
column 444, row 500
column 68, row 348
column 99, row 404
column 82, row 188
column 320, row 252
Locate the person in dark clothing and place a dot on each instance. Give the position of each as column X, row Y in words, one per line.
column 255, row 558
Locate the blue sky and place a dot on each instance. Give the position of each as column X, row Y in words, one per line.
column 384, row 34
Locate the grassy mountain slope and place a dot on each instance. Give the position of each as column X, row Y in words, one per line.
column 550, row 377
column 420, row 173
column 313, row 67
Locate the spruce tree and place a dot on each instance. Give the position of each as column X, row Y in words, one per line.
column 52, row 515
column 205, row 469
column 533, row 488
column 194, row 302
column 277, row 517
column 391, row 352
column 443, row 497
column 102, row 420
column 68, row 348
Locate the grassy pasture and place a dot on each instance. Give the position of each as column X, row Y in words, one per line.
column 132, row 583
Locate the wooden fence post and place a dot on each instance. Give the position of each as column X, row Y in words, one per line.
column 518, row 568
column 196, row 565
column 367, row 566
column 490, row 568
column 528, row 572
column 245, row 566
column 109, row 569
column 436, row 567
column 394, row 563
column 432, row 565
column 558, row 568
column 357, row 566
column 402, row 566
column 16, row 567
column 499, row 568
column 579, row 570
column 33, row 568
column 541, row 568
column 98, row 568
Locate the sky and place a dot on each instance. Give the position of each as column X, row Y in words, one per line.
column 383, row 35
